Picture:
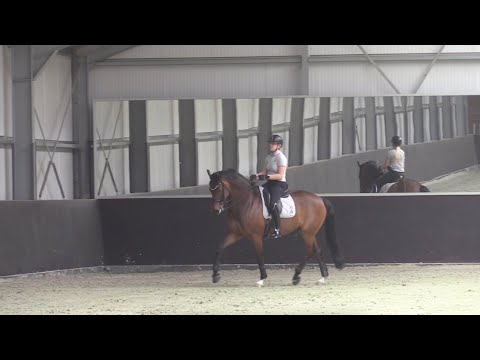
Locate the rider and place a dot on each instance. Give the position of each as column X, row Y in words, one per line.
column 394, row 162
column 274, row 171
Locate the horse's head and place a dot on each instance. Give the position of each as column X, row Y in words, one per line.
column 368, row 174
column 220, row 192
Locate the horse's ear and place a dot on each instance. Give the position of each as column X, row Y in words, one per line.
column 208, row 172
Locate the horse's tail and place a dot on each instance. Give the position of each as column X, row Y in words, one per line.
column 423, row 188
column 331, row 235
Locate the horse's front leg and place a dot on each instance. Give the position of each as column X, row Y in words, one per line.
column 229, row 240
column 258, row 245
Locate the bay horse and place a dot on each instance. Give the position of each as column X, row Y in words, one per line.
column 370, row 172
column 242, row 201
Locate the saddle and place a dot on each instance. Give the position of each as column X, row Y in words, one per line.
column 387, row 186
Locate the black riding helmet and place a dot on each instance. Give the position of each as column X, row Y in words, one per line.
column 396, row 140
column 277, row 139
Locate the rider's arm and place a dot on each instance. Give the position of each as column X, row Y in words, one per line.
column 280, row 175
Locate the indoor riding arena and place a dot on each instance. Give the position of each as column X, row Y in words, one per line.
column 107, row 208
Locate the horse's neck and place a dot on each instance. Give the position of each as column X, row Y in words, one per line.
column 242, row 195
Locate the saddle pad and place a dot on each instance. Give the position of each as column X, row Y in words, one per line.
column 288, row 207
column 385, row 187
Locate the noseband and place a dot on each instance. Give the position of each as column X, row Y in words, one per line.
column 223, row 201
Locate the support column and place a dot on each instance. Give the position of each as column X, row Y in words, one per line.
column 295, row 156
column 264, row 130
column 230, row 141
column 324, row 131
column 447, row 117
column 370, row 123
column 187, row 143
column 434, row 128
column 348, row 126
column 418, row 133
column 82, row 131
column 390, row 120
column 406, row 132
column 23, row 156
column 460, row 116
column 138, row 149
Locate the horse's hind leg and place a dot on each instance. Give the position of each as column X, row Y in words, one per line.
column 309, row 244
column 321, row 263
column 229, row 240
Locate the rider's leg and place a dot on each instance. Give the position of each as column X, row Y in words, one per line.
column 275, row 188
column 386, row 178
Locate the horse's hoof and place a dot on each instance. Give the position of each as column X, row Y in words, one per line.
column 296, row 281
column 259, row 283
column 216, row 278
column 321, row 281
column 340, row 264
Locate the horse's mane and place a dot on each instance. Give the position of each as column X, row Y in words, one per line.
column 370, row 167
column 230, row 174
column 370, row 163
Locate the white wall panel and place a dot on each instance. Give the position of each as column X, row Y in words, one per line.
column 194, row 81
column 163, row 119
column 362, row 79
column 63, row 162
column 52, row 92
column 178, row 51
column 247, row 118
column 119, row 163
column 311, row 109
column 401, row 49
column 453, row 78
column 106, row 114
column 371, row 49
column 461, row 48
column 164, row 167
column 6, row 174
column 208, row 118
column 333, row 49
column 281, row 113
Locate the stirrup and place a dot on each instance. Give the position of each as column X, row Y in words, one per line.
column 276, row 234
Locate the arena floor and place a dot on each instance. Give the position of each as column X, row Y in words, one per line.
column 373, row 289
column 466, row 180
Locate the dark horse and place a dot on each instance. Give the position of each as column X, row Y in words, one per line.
column 370, row 172
column 234, row 193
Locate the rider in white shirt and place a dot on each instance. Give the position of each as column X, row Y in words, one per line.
column 394, row 164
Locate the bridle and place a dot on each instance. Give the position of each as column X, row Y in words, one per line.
column 226, row 203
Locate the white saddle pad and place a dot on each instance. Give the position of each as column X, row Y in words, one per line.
column 385, row 187
column 288, row 207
